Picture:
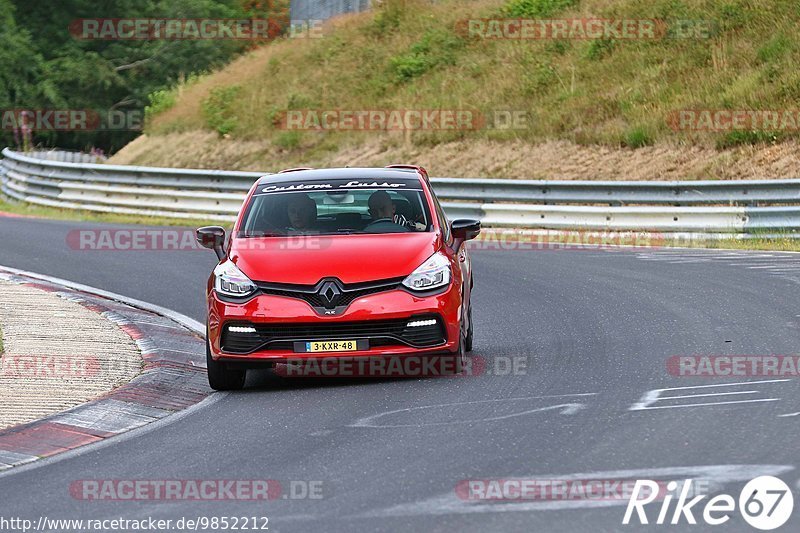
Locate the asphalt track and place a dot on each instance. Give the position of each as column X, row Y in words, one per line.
column 596, row 328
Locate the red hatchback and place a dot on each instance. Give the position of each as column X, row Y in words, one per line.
column 352, row 262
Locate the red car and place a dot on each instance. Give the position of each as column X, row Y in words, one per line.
column 351, row 262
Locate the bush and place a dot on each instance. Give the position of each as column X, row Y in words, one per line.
column 218, row 109
column 637, row 138
column 288, row 140
column 387, row 18
column 600, row 48
column 734, row 15
column 738, row 138
column 160, row 101
column 437, row 47
column 559, row 47
column 774, row 49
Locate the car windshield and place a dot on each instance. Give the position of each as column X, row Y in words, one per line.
column 336, row 209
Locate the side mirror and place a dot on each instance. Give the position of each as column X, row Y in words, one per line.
column 465, row 229
column 212, row 237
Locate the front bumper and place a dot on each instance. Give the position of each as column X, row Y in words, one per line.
column 282, row 321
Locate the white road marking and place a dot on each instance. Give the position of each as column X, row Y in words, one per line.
column 782, row 264
column 752, row 264
column 566, row 409
column 111, row 416
column 726, row 384
column 708, row 403
column 740, row 256
column 171, row 350
column 155, row 324
column 708, row 394
column 653, row 396
column 790, row 414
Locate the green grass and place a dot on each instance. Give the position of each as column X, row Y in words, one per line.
column 783, row 244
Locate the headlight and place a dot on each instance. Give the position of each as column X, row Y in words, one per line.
column 432, row 274
column 230, row 281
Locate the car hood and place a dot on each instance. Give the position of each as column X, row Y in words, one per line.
column 351, row 258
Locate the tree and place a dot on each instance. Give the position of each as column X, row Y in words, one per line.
column 45, row 65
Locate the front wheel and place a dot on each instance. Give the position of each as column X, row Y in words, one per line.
column 461, row 354
column 220, row 376
column 470, row 330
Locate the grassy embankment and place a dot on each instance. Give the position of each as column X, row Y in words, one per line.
column 595, row 108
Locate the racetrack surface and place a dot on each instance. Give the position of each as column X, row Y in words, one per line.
column 597, row 328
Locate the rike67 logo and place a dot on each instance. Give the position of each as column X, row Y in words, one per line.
column 765, row 503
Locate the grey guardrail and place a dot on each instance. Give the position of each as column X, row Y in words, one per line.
column 711, row 206
column 675, row 193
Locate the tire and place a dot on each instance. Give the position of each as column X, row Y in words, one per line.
column 459, row 358
column 470, row 331
column 461, row 354
column 220, row 376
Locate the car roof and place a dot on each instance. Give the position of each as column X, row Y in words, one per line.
column 341, row 173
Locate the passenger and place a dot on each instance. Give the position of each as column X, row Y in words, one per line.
column 302, row 212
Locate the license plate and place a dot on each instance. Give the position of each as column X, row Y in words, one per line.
column 331, row 346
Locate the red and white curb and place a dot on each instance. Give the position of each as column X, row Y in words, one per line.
column 173, row 377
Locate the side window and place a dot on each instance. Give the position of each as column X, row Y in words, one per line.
column 443, row 221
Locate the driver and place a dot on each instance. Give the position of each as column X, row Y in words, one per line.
column 383, row 209
column 302, row 212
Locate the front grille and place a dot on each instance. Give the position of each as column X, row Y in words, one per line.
column 378, row 332
column 312, row 293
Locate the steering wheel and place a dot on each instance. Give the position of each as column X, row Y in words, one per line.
column 385, row 225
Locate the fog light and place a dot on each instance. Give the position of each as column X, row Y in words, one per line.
column 241, row 329
column 418, row 323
